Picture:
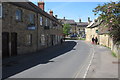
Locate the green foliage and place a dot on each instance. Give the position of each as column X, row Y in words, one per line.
column 109, row 13
column 114, row 54
column 66, row 29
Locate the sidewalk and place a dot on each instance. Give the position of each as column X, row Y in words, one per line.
column 104, row 65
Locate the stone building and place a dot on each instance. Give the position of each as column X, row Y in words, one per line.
column 77, row 28
column 92, row 30
column 73, row 25
column 27, row 28
column 81, row 28
column 95, row 29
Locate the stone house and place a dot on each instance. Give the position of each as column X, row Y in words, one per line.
column 81, row 28
column 26, row 28
column 72, row 23
column 95, row 29
column 92, row 30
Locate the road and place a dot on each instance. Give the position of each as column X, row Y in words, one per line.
column 69, row 60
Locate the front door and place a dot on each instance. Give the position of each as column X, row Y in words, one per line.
column 5, row 44
column 13, row 44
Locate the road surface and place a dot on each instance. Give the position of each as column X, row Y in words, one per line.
column 69, row 60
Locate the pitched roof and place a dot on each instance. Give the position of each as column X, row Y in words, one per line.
column 67, row 21
column 25, row 5
column 33, row 7
column 82, row 24
column 94, row 23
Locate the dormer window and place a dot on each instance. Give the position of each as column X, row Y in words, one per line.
column 0, row 10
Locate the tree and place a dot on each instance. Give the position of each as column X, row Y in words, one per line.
column 66, row 29
column 109, row 13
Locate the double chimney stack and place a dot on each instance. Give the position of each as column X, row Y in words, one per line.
column 41, row 5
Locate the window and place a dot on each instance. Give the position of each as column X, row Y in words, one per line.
column 0, row 10
column 41, row 20
column 32, row 18
column 46, row 22
column 29, row 39
column 50, row 24
column 42, row 39
column 19, row 15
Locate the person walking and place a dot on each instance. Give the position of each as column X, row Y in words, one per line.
column 61, row 40
column 93, row 40
column 96, row 40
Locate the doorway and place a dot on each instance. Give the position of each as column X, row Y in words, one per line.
column 5, row 44
column 13, row 44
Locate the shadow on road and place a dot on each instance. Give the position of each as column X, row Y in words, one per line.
column 14, row 65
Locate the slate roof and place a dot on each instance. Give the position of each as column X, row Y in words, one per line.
column 33, row 7
column 66, row 21
column 102, row 29
column 94, row 23
column 82, row 24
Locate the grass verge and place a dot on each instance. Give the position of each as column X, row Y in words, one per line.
column 114, row 54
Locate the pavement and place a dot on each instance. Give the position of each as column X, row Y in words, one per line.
column 103, row 65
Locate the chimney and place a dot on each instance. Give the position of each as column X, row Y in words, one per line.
column 79, row 20
column 56, row 16
column 51, row 12
column 64, row 18
column 41, row 5
column 89, row 20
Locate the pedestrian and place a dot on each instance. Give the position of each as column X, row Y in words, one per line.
column 61, row 40
column 96, row 40
column 93, row 40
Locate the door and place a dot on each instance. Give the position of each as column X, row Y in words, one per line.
column 13, row 44
column 52, row 39
column 5, row 44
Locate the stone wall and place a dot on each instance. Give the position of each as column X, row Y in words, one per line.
column 91, row 32
column 103, row 39
column 10, row 25
column 107, row 41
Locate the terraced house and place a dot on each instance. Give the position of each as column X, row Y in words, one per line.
column 27, row 28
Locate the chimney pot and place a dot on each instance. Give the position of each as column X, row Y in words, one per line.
column 41, row 5
column 51, row 12
column 56, row 16
column 64, row 18
column 79, row 20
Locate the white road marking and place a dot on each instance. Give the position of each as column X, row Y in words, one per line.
column 89, row 63
column 77, row 74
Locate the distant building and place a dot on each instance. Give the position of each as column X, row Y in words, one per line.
column 77, row 28
column 81, row 28
column 73, row 25
column 92, row 30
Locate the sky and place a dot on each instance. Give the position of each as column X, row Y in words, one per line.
column 72, row 10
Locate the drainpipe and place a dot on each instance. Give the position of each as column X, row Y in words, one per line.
column 37, row 34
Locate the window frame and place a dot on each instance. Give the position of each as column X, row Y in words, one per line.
column 33, row 18
column 18, row 14
column 29, row 39
column 43, row 39
column 46, row 22
column 41, row 20
column 1, row 10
